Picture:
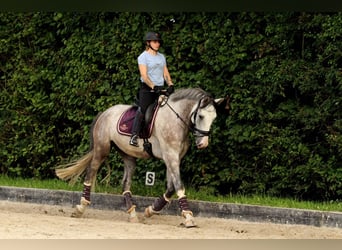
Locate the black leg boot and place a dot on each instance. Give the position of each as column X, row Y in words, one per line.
column 136, row 128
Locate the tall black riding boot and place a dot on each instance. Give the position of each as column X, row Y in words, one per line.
column 136, row 128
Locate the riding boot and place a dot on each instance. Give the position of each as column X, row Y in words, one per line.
column 136, row 128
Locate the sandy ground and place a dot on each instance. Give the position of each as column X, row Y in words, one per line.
column 36, row 221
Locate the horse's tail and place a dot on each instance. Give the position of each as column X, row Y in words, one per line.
column 72, row 171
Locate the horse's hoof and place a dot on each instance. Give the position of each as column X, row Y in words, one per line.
column 133, row 219
column 190, row 224
column 78, row 212
column 148, row 213
column 189, row 219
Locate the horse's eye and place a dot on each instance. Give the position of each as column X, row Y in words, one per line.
column 201, row 117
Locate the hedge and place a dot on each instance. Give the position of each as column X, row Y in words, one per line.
column 281, row 70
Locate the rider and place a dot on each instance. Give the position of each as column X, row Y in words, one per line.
column 153, row 74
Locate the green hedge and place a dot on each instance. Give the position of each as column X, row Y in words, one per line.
column 282, row 71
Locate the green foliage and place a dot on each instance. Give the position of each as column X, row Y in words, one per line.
column 281, row 70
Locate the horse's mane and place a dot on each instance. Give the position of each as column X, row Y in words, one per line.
column 190, row 94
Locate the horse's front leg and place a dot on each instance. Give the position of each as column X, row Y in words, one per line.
column 174, row 184
column 186, row 212
column 129, row 163
column 161, row 201
column 183, row 203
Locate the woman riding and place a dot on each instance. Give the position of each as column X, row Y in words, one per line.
column 153, row 75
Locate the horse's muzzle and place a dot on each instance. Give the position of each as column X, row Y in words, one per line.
column 202, row 142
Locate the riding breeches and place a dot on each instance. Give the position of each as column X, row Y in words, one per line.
column 146, row 97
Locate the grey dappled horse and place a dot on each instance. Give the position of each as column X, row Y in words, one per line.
column 185, row 111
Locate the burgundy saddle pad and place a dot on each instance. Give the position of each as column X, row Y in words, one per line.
column 125, row 123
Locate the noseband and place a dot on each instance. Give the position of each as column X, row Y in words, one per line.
column 196, row 131
column 192, row 127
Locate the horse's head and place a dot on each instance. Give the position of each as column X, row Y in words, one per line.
column 203, row 112
column 203, row 116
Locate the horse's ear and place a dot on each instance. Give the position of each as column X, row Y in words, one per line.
column 222, row 105
column 205, row 101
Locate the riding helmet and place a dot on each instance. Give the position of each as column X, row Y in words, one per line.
column 152, row 36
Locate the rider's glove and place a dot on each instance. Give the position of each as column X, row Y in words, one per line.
column 170, row 90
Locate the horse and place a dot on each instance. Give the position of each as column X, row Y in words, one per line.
column 186, row 110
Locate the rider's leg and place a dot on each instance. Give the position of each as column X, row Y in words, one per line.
column 146, row 97
column 136, row 128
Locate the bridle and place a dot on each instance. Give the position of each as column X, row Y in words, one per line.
column 196, row 131
column 192, row 126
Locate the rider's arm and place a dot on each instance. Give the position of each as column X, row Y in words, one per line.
column 167, row 76
column 144, row 76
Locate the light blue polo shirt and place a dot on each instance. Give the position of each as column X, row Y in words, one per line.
column 155, row 66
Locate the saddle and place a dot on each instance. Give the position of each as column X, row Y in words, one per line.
column 125, row 123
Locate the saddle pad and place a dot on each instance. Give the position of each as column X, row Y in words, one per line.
column 125, row 123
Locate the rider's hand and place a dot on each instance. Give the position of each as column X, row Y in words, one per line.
column 170, row 90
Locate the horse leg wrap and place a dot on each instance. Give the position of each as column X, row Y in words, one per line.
column 157, row 206
column 130, row 207
column 183, row 204
column 160, row 203
column 169, row 194
column 186, row 213
column 86, row 191
column 85, row 201
column 128, row 200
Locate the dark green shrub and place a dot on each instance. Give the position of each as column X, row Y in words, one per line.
column 281, row 70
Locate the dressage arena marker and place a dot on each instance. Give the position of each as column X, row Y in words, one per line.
column 150, row 176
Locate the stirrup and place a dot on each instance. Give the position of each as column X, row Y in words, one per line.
column 133, row 141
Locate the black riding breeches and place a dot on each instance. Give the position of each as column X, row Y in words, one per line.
column 146, row 97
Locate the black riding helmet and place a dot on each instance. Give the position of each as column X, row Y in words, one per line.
column 153, row 36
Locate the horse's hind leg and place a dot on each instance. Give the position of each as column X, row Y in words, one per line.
column 100, row 153
column 129, row 167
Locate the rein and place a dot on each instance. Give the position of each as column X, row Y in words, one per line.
column 192, row 126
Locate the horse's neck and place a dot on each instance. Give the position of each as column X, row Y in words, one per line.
column 182, row 109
